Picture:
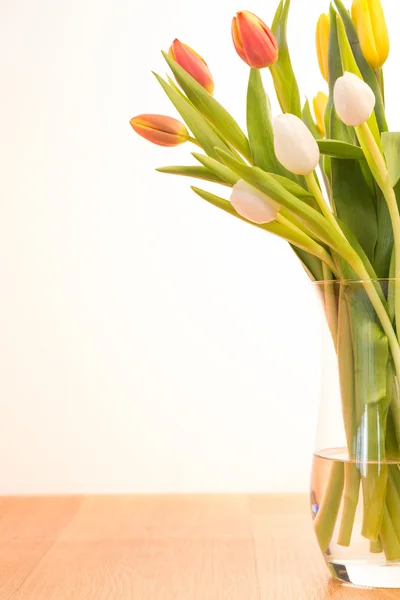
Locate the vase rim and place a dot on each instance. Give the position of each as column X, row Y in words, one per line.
column 355, row 281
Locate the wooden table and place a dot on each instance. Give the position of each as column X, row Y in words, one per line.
column 164, row 548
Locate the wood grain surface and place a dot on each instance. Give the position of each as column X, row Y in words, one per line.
column 164, row 548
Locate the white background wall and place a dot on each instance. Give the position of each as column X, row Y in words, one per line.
column 147, row 342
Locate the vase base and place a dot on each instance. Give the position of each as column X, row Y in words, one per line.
column 382, row 574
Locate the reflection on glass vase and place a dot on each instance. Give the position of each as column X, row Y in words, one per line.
column 355, row 486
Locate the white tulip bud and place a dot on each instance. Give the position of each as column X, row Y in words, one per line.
column 354, row 100
column 252, row 204
column 295, row 146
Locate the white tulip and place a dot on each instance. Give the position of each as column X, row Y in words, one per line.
column 252, row 204
column 295, row 146
column 354, row 100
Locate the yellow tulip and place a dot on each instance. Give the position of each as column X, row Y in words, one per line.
column 322, row 43
column 320, row 101
column 369, row 20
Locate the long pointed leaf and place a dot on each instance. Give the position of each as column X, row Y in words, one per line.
column 269, row 186
column 296, row 237
column 391, row 150
column 311, row 264
column 210, row 108
column 193, row 171
column 217, row 168
column 282, row 72
column 309, row 121
column 231, row 178
column 338, row 149
column 259, row 127
column 335, row 128
column 201, row 130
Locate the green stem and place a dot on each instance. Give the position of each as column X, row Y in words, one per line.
column 350, row 502
column 346, row 370
column 318, row 195
column 375, row 546
column 308, row 243
column 193, row 140
column 374, row 483
column 381, row 83
column 393, row 501
column 388, row 537
column 356, row 263
column 331, row 308
column 380, row 172
column 291, row 218
column 324, row 522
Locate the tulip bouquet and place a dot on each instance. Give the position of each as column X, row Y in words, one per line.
column 328, row 184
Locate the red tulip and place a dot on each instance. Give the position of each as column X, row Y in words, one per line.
column 254, row 41
column 193, row 64
column 160, row 130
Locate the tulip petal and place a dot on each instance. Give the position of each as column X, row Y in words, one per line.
column 237, row 40
column 354, row 100
column 369, row 20
column 295, row 146
column 159, row 129
column 259, row 43
column 193, row 64
column 320, row 103
column 252, row 204
column 322, row 43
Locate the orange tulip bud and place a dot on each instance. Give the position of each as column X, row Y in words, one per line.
column 254, row 41
column 160, row 130
column 193, row 64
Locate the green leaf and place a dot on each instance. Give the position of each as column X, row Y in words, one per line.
column 311, row 264
column 391, row 150
column 366, row 71
column 282, row 73
column 176, row 88
column 223, row 172
column 217, row 168
column 346, row 271
column 210, row 108
column 355, row 203
column 269, row 186
column 335, row 128
column 385, row 242
column 309, row 121
column 259, row 127
column 338, row 149
column 193, row 171
column 202, row 131
column 292, row 187
column 296, row 237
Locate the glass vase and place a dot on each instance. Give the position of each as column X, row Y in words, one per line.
column 355, row 484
